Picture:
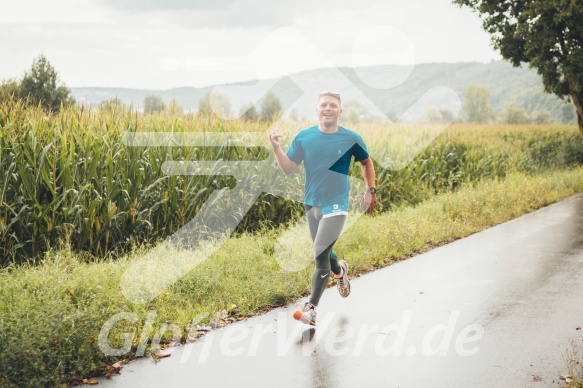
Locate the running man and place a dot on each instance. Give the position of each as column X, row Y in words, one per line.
column 326, row 150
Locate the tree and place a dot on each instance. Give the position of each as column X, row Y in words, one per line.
column 433, row 115
column 541, row 117
column 215, row 103
column 9, row 90
column 40, row 85
column 438, row 115
column 353, row 111
column 114, row 104
column 271, row 107
column 249, row 112
column 568, row 114
column 477, row 108
column 204, row 105
column 447, row 115
column 544, row 33
column 153, row 104
column 351, row 115
column 294, row 114
column 513, row 114
column 174, row 109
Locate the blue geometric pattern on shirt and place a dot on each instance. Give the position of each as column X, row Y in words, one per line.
column 327, row 158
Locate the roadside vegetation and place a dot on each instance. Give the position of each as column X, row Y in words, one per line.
column 79, row 206
column 574, row 361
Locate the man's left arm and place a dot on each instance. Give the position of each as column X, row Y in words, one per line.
column 369, row 200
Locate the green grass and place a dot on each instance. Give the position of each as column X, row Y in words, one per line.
column 574, row 362
column 71, row 182
column 70, row 176
column 51, row 313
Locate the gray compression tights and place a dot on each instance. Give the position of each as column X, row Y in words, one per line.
column 325, row 232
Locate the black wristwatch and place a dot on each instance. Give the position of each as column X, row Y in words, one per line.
column 372, row 190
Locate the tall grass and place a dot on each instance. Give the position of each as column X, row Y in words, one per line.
column 51, row 314
column 69, row 179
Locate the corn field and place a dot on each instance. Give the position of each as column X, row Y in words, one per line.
column 70, row 178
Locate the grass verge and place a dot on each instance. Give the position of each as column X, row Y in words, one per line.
column 51, row 314
column 574, row 361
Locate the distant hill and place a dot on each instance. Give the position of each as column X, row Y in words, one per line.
column 507, row 84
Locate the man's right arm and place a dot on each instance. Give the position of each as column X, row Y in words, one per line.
column 285, row 163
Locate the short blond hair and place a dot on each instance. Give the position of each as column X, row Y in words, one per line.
column 331, row 94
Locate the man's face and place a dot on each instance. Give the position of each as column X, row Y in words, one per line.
column 328, row 111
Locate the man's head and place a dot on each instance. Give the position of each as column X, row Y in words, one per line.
column 329, row 109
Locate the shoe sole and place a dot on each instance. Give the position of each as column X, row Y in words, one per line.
column 298, row 316
column 346, row 280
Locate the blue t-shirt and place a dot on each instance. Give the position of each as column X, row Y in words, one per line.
column 327, row 158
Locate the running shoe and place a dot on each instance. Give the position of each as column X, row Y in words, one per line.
column 307, row 314
column 343, row 283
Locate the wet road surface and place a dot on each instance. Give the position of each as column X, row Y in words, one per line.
column 496, row 309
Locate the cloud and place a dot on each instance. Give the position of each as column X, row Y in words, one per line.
column 217, row 13
column 168, row 5
column 128, row 43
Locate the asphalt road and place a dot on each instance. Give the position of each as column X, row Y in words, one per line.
column 496, row 309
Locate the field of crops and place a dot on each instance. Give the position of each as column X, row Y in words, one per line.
column 73, row 179
column 86, row 195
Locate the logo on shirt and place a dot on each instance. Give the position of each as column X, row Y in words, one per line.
column 339, row 152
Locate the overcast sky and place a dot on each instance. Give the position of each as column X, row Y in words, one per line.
column 154, row 44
